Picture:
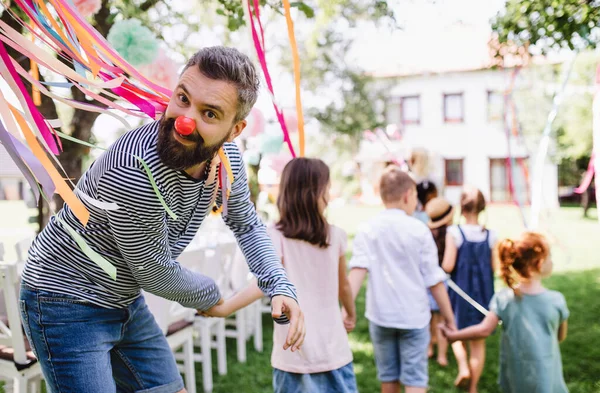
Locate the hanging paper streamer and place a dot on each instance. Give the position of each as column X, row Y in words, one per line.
column 74, row 39
column 587, row 180
column 296, row 58
column 540, row 159
column 99, row 71
column 512, row 131
column 253, row 15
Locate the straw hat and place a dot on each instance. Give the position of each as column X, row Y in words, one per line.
column 440, row 212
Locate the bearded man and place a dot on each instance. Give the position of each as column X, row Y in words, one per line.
column 95, row 334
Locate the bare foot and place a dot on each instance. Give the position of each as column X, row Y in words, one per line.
column 462, row 381
column 442, row 361
column 430, row 351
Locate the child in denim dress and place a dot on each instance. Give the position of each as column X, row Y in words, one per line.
column 534, row 319
column 468, row 259
column 313, row 254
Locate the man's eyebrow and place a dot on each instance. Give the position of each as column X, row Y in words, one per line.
column 213, row 106
column 182, row 87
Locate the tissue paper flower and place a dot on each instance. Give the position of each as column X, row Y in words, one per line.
column 163, row 71
column 133, row 41
column 87, row 7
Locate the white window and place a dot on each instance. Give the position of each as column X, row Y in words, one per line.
column 453, row 108
column 495, row 106
column 410, row 110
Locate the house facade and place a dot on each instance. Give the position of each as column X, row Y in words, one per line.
column 458, row 119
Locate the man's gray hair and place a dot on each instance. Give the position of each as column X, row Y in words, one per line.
column 229, row 65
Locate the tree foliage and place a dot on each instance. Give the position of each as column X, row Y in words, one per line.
column 532, row 27
column 545, row 25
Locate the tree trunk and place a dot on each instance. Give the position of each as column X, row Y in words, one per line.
column 73, row 153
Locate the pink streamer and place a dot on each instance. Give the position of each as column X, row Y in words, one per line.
column 263, row 62
column 589, row 175
column 45, row 130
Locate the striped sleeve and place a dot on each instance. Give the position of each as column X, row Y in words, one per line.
column 139, row 228
column 252, row 237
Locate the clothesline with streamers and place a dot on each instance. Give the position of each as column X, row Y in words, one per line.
column 540, row 159
column 76, row 41
column 98, row 71
column 252, row 12
column 512, row 131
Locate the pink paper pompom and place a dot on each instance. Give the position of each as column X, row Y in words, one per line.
column 87, row 7
column 163, row 71
column 256, row 123
column 291, row 119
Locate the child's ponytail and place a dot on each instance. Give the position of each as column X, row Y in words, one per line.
column 507, row 255
column 521, row 256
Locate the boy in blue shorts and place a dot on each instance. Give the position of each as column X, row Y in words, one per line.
column 400, row 255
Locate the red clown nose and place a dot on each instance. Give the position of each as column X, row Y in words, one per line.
column 184, row 125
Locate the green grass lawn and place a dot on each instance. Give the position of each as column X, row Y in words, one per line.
column 576, row 250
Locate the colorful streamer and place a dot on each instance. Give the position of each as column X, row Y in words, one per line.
column 99, row 72
column 292, row 37
column 538, row 171
column 253, row 15
column 589, row 175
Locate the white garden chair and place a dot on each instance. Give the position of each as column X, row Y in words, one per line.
column 177, row 324
column 210, row 332
column 22, row 248
column 246, row 323
column 18, row 364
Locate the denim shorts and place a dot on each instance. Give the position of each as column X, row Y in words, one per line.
column 86, row 348
column 341, row 380
column 401, row 354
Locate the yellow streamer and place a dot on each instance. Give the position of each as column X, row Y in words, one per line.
column 35, row 73
column 292, row 37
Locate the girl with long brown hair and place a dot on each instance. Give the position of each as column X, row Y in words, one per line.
column 534, row 319
column 313, row 254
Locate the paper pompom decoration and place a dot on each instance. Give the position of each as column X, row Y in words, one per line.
column 291, row 119
column 133, row 41
column 163, row 71
column 256, row 123
column 87, row 7
column 271, row 143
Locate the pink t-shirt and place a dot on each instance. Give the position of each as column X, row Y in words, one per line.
column 314, row 272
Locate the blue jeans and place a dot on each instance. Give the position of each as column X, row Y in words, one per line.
column 401, row 354
column 341, row 380
column 86, row 348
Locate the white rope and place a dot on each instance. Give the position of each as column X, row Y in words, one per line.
column 468, row 298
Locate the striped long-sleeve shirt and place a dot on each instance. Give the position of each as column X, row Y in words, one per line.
column 140, row 239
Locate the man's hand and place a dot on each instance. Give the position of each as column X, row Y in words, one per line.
column 285, row 305
column 349, row 320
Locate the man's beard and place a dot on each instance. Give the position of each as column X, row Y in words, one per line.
column 179, row 156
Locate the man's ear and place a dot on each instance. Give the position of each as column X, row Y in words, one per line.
column 237, row 130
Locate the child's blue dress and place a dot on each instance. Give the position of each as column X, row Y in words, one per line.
column 474, row 275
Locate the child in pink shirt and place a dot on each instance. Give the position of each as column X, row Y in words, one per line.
column 312, row 252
